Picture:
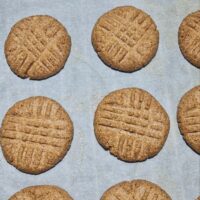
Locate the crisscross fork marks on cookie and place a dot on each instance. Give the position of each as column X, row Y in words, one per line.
column 188, row 116
column 127, row 34
column 133, row 117
column 119, row 46
column 125, row 38
column 34, row 129
column 131, row 124
column 35, row 49
column 38, row 131
column 189, row 39
column 135, row 190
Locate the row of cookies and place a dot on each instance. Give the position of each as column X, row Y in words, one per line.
column 136, row 189
column 139, row 189
column 125, row 38
column 37, row 132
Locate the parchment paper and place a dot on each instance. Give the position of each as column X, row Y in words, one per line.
column 88, row 170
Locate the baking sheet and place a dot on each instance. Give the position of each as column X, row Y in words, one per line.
column 88, row 170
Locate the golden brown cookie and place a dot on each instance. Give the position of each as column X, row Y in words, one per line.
column 189, row 38
column 198, row 198
column 137, row 190
column 188, row 116
column 131, row 124
column 41, row 192
column 36, row 134
column 37, row 47
column 125, row 38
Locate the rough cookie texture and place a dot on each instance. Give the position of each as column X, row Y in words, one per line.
column 188, row 116
column 41, row 192
column 189, row 38
column 137, row 190
column 36, row 134
column 125, row 38
column 198, row 198
column 37, row 47
column 131, row 124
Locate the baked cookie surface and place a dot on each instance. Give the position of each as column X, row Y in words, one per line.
column 37, row 47
column 188, row 116
column 125, row 38
column 131, row 124
column 137, row 190
column 36, row 134
column 189, row 38
column 41, row 192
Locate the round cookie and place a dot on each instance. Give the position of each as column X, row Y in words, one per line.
column 42, row 192
column 189, row 38
column 136, row 189
column 188, row 116
column 198, row 198
column 37, row 47
column 125, row 38
column 131, row 124
column 36, row 134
